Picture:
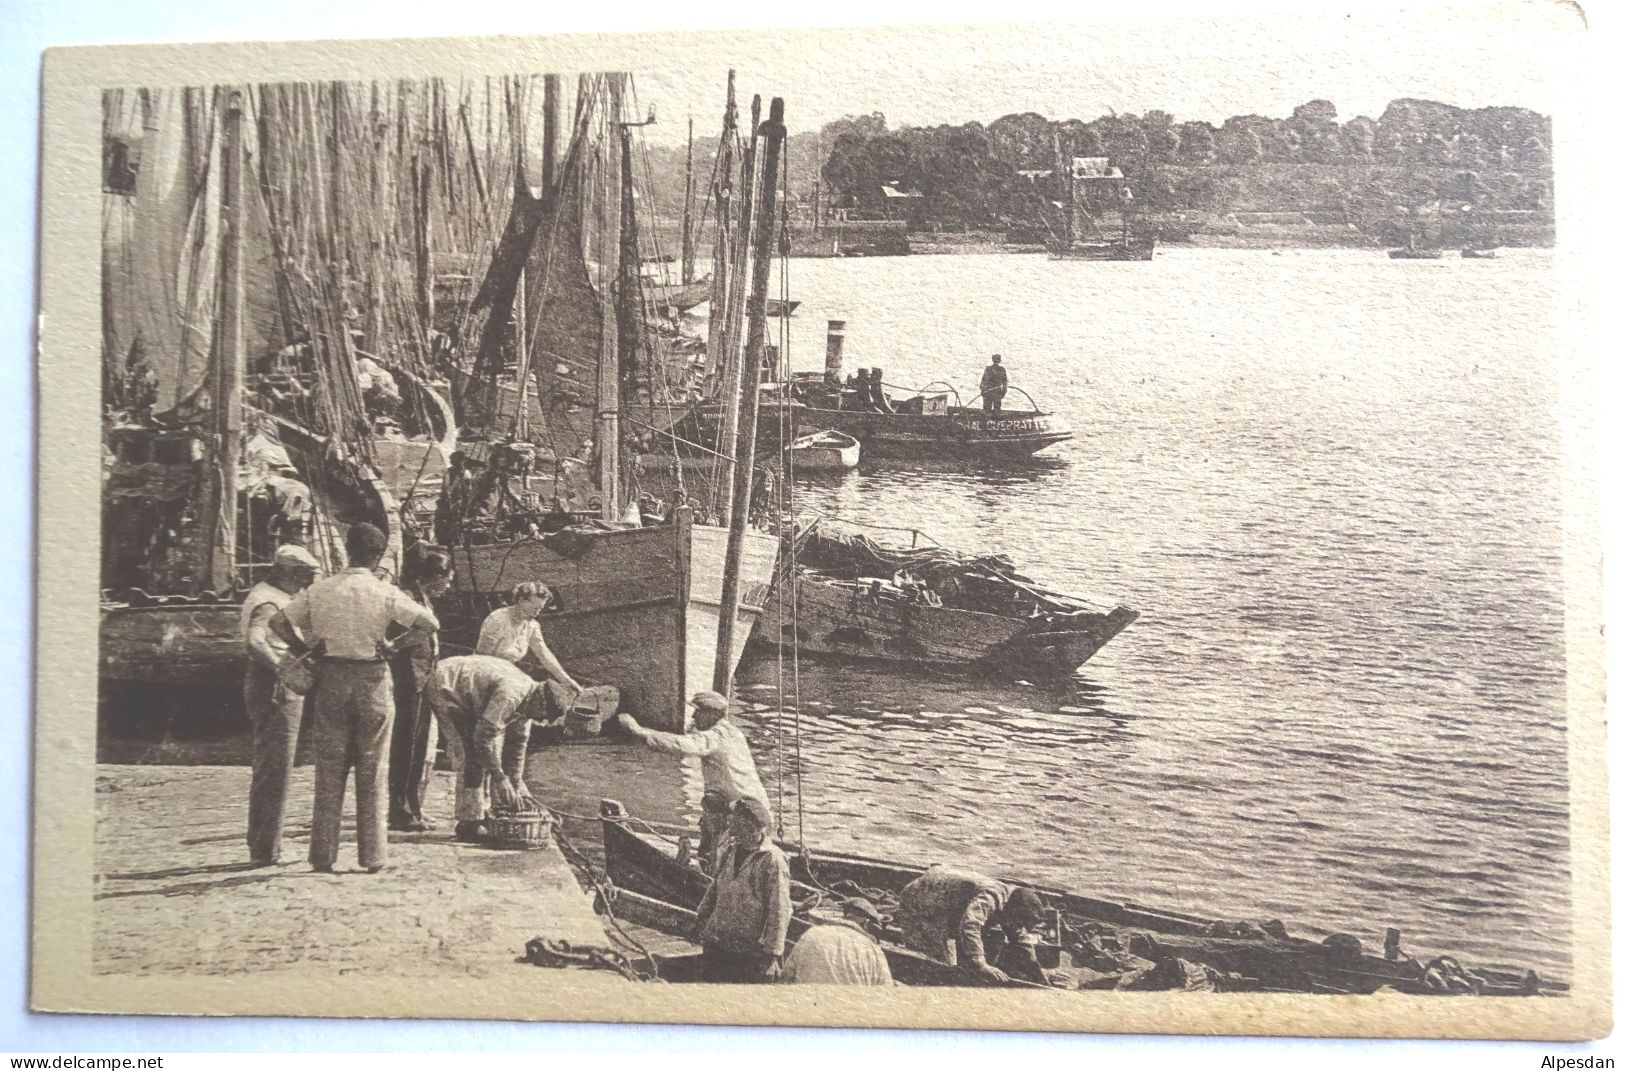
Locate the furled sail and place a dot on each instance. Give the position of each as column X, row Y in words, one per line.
column 176, row 242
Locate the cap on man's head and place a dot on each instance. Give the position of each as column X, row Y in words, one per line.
column 754, row 809
column 364, row 542
column 859, row 906
column 1025, row 901
column 716, row 801
column 293, row 556
column 711, row 701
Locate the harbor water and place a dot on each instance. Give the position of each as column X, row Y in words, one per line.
column 1330, row 483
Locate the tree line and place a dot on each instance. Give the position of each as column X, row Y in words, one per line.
column 1418, row 156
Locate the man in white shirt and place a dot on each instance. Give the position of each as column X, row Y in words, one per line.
column 274, row 712
column 349, row 615
column 485, row 706
column 723, row 751
column 840, row 952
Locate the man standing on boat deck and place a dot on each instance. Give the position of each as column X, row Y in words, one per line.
column 743, row 919
column 723, row 751
column 348, row 616
column 944, row 912
column 485, row 705
column 840, row 952
column 274, row 711
column 994, row 383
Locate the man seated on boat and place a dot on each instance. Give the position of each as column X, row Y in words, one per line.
column 485, row 706
column 995, row 381
column 715, row 809
column 858, row 399
column 720, row 745
column 513, row 632
column 877, row 392
column 745, row 915
column 840, row 952
column 945, row 914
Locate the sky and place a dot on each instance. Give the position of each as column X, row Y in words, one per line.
column 1191, row 66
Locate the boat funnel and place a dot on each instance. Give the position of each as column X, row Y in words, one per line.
column 833, row 346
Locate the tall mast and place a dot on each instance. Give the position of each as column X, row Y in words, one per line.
column 220, row 550
column 688, row 210
column 607, row 422
column 749, row 400
column 731, row 362
column 721, row 248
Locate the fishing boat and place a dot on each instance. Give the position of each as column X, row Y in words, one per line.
column 825, row 451
column 647, row 597
column 932, row 422
column 185, row 531
column 1088, row 943
column 852, row 596
column 1472, row 253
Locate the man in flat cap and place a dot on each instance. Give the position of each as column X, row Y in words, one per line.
column 745, row 914
column 840, row 951
column 274, row 711
column 485, row 706
column 720, row 745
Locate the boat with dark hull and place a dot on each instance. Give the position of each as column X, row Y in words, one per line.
column 855, row 598
column 635, row 607
column 1088, row 942
column 928, row 423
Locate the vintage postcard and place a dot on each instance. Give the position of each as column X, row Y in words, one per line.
column 1080, row 527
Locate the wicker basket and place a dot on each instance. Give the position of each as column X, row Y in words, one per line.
column 520, row 831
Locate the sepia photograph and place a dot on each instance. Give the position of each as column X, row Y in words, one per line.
column 1048, row 527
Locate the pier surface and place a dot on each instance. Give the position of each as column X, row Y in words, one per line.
column 174, row 893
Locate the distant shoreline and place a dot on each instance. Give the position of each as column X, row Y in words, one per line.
column 938, row 246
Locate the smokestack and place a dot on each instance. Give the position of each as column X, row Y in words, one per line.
column 832, row 348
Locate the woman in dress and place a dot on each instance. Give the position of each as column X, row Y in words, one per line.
column 513, row 632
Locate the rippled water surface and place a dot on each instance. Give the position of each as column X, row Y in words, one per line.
column 1330, row 484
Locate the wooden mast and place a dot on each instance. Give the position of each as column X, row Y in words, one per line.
column 607, row 421
column 721, row 249
column 763, row 221
column 730, row 361
column 688, row 210
column 220, row 550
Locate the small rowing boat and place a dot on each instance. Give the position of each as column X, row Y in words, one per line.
column 1088, row 943
column 825, row 451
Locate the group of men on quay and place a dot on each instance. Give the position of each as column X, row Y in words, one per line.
column 366, row 650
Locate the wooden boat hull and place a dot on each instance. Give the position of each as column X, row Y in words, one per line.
column 170, row 640
column 825, row 452
column 845, row 620
column 638, row 861
column 1413, row 254
column 959, row 432
column 654, row 889
column 637, row 608
column 179, row 643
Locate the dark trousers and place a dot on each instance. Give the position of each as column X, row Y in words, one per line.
column 726, row 966
column 354, row 711
column 275, row 715
column 412, row 740
column 993, row 400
